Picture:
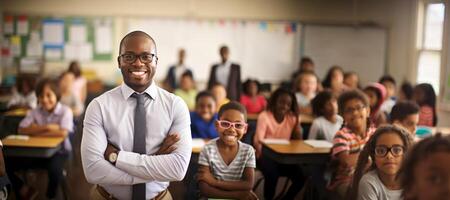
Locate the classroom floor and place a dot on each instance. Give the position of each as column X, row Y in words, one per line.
column 79, row 188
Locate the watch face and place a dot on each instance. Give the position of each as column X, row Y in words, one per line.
column 112, row 157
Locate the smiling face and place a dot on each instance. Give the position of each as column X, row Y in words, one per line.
column 138, row 75
column 48, row 99
column 355, row 114
column 283, row 104
column 230, row 136
column 432, row 177
column 389, row 164
column 205, row 107
column 308, row 84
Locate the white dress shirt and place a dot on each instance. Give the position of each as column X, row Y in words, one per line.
column 223, row 72
column 110, row 117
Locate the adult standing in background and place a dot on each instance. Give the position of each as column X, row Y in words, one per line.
column 79, row 86
column 173, row 77
column 227, row 74
column 136, row 137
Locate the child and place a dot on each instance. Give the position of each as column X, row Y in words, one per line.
column 334, row 80
column 328, row 122
column 349, row 141
column 406, row 92
column 378, row 164
column 391, row 87
column 23, row 95
column 187, row 90
column 406, row 114
column 306, row 87
column 351, row 81
column 50, row 119
column 220, row 94
column 425, row 173
column 425, row 96
column 251, row 99
column 79, row 86
column 67, row 96
column 226, row 164
column 376, row 93
column 204, row 116
column 279, row 121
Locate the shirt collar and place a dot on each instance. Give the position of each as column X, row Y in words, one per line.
column 57, row 111
column 127, row 91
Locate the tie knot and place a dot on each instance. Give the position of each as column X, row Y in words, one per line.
column 139, row 97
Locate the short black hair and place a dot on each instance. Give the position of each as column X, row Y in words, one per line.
column 223, row 48
column 407, row 89
column 50, row 83
column 188, row 74
column 204, row 94
column 350, row 95
column 304, row 60
column 388, row 78
column 246, row 85
column 401, row 110
column 135, row 33
column 319, row 101
column 327, row 81
column 233, row 105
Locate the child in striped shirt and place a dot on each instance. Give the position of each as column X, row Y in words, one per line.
column 350, row 140
column 226, row 165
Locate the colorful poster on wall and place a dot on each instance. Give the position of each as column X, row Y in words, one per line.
column 103, row 37
column 8, row 24
column 77, row 33
column 53, row 33
column 22, row 25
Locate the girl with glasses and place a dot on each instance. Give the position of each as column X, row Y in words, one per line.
column 379, row 163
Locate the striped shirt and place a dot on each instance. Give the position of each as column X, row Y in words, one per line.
column 211, row 157
column 346, row 140
column 426, row 116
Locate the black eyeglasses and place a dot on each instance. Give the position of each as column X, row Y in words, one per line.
column 144, row 57
column 396, row 150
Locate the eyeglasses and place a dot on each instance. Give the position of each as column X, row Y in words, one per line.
column 396, row 150
column 237, row 125
column 144, row 57
column 351, row 110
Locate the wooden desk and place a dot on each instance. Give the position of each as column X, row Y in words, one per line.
column 197, row 145
column 21, row 112
column 41, row 147
column 443, row 130
column 296, row 152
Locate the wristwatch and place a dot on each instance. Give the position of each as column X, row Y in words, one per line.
column 112, row 158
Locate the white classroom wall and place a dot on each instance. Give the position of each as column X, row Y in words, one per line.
column 397, row 16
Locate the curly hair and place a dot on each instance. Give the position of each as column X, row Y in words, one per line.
column 319, row 102
column 276, row 95
column 369, row 152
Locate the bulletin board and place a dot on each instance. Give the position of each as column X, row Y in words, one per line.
column 57, row 39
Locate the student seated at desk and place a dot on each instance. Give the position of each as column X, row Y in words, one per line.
column 23, row 94
column 349, row 141
column 406, row 114
column 425, row 96
column 251, row 99
column 227, row 165
column 204, row 116
column 328, row 122
column 187, row 89
column 68, row 98
column 220, row 94
column 51, row 119
column 306, row 87
column 279, row 121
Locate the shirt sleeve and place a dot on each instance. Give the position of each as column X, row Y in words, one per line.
column 314, row 131
column 28, row 120
column 93, row 144
column 340, row 144
column 251, row 160
column 67, row 120
column 169, row 167
column 367, row 189
column 260, row 133
column 203, row 158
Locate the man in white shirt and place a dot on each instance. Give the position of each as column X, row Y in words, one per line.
column 110, row 134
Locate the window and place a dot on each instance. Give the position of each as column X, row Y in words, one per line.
column 430, row 44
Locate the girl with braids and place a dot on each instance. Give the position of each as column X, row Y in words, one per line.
column 425, row 173
column 375, row 176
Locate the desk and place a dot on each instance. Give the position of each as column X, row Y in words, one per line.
column 20, row 112
column 40, row 147
column 296, row 152
column 443, row 130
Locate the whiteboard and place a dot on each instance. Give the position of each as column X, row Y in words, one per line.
column 358, row 49
column 267, row 53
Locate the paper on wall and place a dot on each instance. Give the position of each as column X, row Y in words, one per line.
column 22, row 26
column 103, row 37
column 53, row 32
column 15, row 45
column 77, row 33
column 81, row 52
column 53, row 53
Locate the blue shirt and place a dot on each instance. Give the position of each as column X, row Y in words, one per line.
column 202, row 129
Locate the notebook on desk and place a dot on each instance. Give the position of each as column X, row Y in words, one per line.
column 319, row 143
column 276, row 141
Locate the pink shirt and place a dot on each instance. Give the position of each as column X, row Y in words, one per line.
column 426, row 116
column 268, row 127
column 253, row 106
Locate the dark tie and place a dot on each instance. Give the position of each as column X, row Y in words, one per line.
column 140, row 130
